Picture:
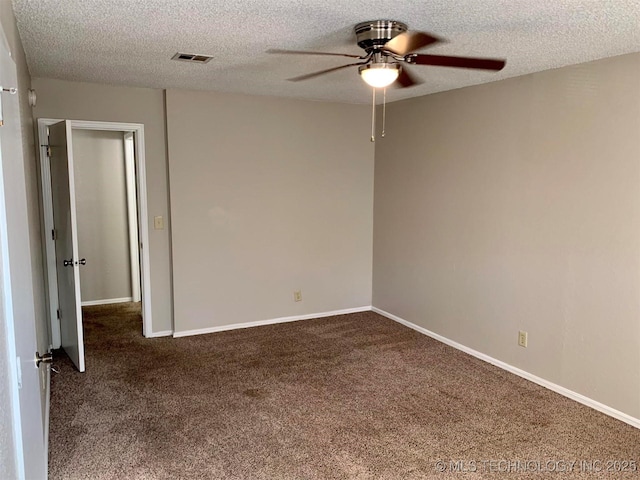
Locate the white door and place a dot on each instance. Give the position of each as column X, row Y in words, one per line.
column 20, row 379
column 66, row 235
column 132, row 213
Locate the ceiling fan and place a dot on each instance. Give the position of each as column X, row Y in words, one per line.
column 389, row 47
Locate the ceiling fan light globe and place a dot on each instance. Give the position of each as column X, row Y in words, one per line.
column 380, row 75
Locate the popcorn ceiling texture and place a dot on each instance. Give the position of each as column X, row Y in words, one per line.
column 132, row 42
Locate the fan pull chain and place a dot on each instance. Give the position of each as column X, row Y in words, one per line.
column 384, row 109
column 373, row 117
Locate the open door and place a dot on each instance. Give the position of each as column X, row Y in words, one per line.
column 66, row 240
column 132, row 214
column 23, row 380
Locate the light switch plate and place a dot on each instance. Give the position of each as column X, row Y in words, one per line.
column 158, row 222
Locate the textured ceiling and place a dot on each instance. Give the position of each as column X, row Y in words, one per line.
column 131, row 42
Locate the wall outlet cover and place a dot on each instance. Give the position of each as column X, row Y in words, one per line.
column 523, row 338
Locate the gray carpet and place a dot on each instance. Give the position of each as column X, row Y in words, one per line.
column 347, row 397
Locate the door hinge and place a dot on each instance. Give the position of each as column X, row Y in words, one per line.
column 58, row 313
column 48, row 150
column 53, row 234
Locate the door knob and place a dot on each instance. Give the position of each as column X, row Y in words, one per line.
column 45, row 358
column 68, row 263
column 83, row 261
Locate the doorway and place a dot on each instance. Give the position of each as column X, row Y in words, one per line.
column 106, row 216
column 113, row 279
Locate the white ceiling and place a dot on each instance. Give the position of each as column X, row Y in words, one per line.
column 131, row 42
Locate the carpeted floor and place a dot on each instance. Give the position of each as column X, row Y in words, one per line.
column 348, row 397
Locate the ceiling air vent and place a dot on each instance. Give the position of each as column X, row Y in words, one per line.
column 191, row 57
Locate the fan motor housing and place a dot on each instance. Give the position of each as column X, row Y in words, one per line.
column 374, row 34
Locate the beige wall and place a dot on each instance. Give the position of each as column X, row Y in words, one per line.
column 514, row 206
column 87, row 101
column 268, row 196
column 503, row 207
column 101, row 204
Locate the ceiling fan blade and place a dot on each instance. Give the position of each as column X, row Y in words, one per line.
column 322, row 72
column 304, row 52
column 408, row 42
column 405, row 79
column 460, row 62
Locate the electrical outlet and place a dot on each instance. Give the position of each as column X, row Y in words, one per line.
column 523, row 338
column 297, row 296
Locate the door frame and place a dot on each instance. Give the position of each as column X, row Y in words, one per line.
column 137, row 129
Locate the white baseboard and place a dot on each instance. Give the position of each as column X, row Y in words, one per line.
column 163, row 333
column 107, row 301
column 259, row 323
column 612, row 412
